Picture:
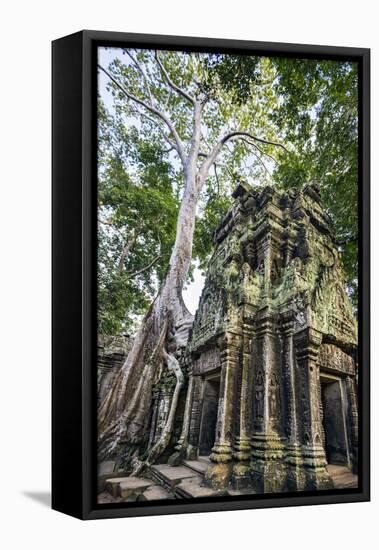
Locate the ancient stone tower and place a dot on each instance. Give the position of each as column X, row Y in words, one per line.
column 272, row 368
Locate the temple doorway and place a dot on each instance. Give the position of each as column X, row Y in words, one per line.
column 209, row 415
column 334, row 421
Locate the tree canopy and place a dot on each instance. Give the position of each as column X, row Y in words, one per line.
column 137, row 210
column 309, row 107
column 316, row 115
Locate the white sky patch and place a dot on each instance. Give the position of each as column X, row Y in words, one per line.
column 192, row 291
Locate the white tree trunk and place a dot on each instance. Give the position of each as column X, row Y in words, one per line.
column 124, row 414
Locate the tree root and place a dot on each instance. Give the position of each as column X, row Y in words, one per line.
column 160, row 446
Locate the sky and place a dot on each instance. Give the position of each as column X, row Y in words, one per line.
column 192, row 291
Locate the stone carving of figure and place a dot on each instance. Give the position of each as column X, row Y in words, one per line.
column 261, row 268
column 259, row 389
column 273, row 396
column 249, row 286
column 274, row 271
column 299, row 309
column 246, row 271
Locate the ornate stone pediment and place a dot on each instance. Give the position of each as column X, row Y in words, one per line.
column 210, row 361
column 331, row 308
column 333, row 358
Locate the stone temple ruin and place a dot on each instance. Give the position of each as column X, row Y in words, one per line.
column 271, row 396
column 111, row 354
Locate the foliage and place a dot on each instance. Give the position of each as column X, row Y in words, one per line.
column 310, row 106
column 316, row 115
column 136, row 212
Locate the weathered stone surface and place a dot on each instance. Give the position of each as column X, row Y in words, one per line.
column 170, row 476
column 112, row 485
column 126, row 487
column 274, row 320
column 199, row 466
column 271, row 368
column 192, row 488
column 111, row 354
column 107, row 467
column 155, row 492
column 342, row 477
column 107, row 470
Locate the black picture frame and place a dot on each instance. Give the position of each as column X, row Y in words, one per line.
column 74, row 275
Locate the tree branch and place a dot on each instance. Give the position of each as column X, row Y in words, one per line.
column 261, row 150
column 164, row 135
column 139, row 271
column 153, row 110
column 110, row 224
column 139, row 67
column 237, row 135
column 257, row 156
column 216, row 176
column 126, row 251
column 172, row 85
column 231, row 137
column 196, row 136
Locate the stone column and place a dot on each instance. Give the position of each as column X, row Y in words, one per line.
column 307, row 344
column 267, row 467
column 267, row 255
column 242, row 446
column 294, row 462
column 195, row 418
column 163, row 409
column 353, row 410
column 219, row 472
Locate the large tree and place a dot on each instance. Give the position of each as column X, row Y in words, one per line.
column 137, row 212
column 172, row 98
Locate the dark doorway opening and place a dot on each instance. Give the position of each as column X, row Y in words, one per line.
column 209, row 415
column 336, row 447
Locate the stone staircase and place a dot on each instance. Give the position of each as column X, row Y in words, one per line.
column 186, row 481
column 132, row 489
column 162, row 482
column 200, row 465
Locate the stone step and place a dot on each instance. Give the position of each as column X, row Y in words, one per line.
column 204, row 458
column 336, row 469
column 170, row 476
column 128, row 488
column 155, row 492
column 193, row 488
column 199, row 466
column 107, row 470
column 342, row 477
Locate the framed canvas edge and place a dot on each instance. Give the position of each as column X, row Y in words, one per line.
column 85, row 494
